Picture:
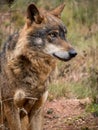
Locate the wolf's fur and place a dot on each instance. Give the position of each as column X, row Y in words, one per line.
column 27, row 60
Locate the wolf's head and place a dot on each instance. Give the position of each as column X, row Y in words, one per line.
column 46, row 33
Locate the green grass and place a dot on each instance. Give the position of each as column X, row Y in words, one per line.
column 69, row 90
column 18, row 20
column 79, row 90
column 58, row 90
column 87, row 86
column 92, row 108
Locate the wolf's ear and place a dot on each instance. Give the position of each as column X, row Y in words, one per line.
column 33, row 15
column 57, row 11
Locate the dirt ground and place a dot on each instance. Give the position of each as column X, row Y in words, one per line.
column 69, row 114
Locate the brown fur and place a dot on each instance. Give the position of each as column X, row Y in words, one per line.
column 27, row 60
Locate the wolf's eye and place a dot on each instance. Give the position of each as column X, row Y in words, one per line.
column 54, row 34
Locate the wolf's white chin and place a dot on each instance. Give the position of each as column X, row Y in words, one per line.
column 62, row 55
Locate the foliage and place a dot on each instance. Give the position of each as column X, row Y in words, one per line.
column 92, row 108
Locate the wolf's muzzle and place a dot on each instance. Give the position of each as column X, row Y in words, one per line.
column 65, row 55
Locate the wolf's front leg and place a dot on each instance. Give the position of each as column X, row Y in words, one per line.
column 36, row 120
column 12, row 116
column 36, row 114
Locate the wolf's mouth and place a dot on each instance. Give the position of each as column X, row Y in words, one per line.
column 63, row 59
column 65, row 56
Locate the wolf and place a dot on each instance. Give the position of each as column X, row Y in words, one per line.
column 26, row 62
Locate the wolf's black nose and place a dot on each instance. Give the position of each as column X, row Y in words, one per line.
column 72, row 53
